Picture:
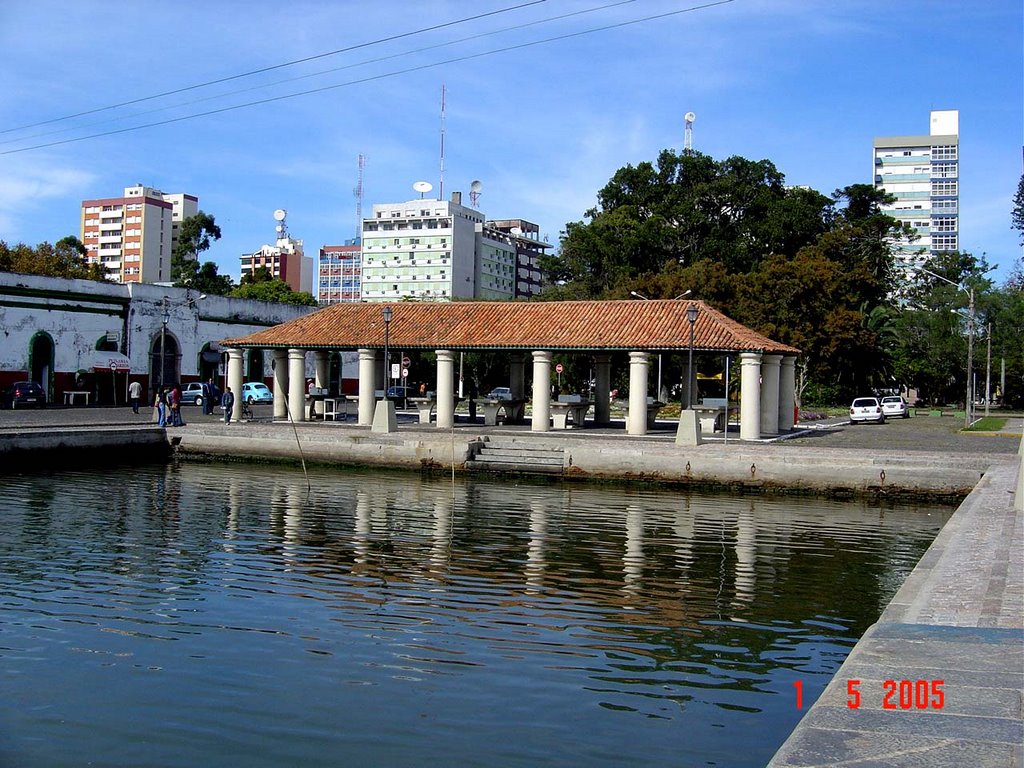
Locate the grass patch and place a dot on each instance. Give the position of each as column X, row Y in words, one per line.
column 988, row 424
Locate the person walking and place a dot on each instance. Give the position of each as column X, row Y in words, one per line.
column 212, row 397
column 161, row 409
column 174, row 400
column 135, row 394
column 227, row 402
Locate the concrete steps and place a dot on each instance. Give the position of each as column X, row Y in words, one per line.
column 508, row 456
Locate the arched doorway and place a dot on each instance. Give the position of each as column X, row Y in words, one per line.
column 165, row 373
column 40, row 361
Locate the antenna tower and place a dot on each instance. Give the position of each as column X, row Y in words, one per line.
column 440, row 186
column 358, row 192
column 689, row 117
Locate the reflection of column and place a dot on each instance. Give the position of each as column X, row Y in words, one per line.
column 235, row 381
column 750, row 395
column 787, row 393
column 367, row 358
column 442, row 535
column 746, row 555
column 633, row 557
column 541, row 418
column 602, row 388
column 770, row 394
column 517, row 375
column 684, row 531
column 280, row 383
column 321, row 365
column 445, row 389
column 293, row 497
column 361, row 534
column 535, row 561
column 636, row 423
column 297, row 384
column 234, row 506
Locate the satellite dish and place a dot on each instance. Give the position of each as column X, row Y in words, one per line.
column 279, row 228
column 475, row 186
column 422, row 186
column 280, row 213
column 690, row 117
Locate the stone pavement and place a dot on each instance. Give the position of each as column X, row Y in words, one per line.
column 948, row 651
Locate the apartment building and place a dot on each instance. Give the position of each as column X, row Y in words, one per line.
column 339, row 273
column 524, row 236
column 286, row 259
column 134, row 235
column 922, row 173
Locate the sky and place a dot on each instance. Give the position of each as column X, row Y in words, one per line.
column 544, row 101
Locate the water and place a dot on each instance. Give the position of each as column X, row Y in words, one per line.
column 219, row 615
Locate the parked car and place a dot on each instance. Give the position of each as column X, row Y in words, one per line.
column 895, row 405
column 256, row 392
column 866, row 409
column 25, row 394
column 500, row 393
column 195, row 393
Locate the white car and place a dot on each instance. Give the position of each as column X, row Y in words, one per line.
column 866, row 409
column 894, row 406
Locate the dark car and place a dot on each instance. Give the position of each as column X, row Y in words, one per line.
column 25, row 394
column 400, row 393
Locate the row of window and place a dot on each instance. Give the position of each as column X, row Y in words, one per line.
column 411, row 259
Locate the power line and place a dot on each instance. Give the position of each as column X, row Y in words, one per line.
column 364, row 62
column 372, row 78
column 281, row 66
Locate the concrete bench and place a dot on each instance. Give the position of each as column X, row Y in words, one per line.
column 712, row 416
column 562, row 410
column 653, row 407
column 425, row 407
column 514, row 410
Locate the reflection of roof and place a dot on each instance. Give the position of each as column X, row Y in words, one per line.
column 554, row 325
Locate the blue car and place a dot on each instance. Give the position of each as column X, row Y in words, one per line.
column 256, row 392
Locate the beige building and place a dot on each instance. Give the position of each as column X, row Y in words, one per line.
column 135, row 234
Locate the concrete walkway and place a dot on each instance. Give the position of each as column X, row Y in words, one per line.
column 957, row 624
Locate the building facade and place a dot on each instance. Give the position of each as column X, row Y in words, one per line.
column 134, row 235
column 339, row 273
column 524, row 236
column 922, row 173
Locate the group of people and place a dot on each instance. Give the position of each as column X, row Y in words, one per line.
column 167, row 402
column 168, row 407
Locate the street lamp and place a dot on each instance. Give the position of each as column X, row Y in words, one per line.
column 691, row 315
column 165, row 304
column 387, row 313
column 687, row 292
column 970, row 337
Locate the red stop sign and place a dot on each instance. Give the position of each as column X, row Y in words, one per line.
column 558, row 368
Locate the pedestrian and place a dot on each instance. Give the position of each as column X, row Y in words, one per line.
column 212, row 397
column 161, row 409
column 135, row 394
column 227, row 402
column 174, row 401
column 423, row 389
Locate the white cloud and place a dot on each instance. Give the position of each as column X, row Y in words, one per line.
column 26, row 188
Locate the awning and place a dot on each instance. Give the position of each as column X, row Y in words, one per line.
column 212, row 353
column 111, row 361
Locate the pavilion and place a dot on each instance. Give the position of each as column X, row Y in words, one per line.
column 525, row 330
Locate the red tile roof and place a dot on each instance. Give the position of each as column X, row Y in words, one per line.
column 554, row 325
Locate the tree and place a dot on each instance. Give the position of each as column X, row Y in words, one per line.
column 208, row 281
column 65, row 259
column 1017, row 214
column 261, row 274
column 194, row 236
column 274, row 290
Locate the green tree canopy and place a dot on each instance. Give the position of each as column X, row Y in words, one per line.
column 194, row 237
column 273, row 290
column 65, row 259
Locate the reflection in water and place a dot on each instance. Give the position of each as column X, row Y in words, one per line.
column 230, row 615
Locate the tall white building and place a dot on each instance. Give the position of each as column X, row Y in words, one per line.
column 922, row 173
column 133, row 236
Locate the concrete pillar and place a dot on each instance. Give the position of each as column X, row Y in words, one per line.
column 235, row 377
column 445, row 389
column 787, row 393
column 750, row 395
column 1018, row 497
column 367, row 359
column 688, row 431
column 770, row 394
column 541, row 391
column 280, row 383
column 297, row 384
column 639, row 363
column 322, row 377
column 517, row 375
column 602, row 388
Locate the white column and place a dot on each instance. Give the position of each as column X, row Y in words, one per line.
column 787, row 393
column 639, row 363
column 235, row 381
column 541, row 420
column 770, row 394
column 445, row 389
column 321, row 366
column 280, row 383
column 750, row 395
column 602, row 388
column 517, row 375
column 367, row 377
column 297, row 384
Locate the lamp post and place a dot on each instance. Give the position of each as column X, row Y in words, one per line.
column 970, row 337
column 687, row 292
column 691, row 315
column 387, row 313
column 165, row 306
